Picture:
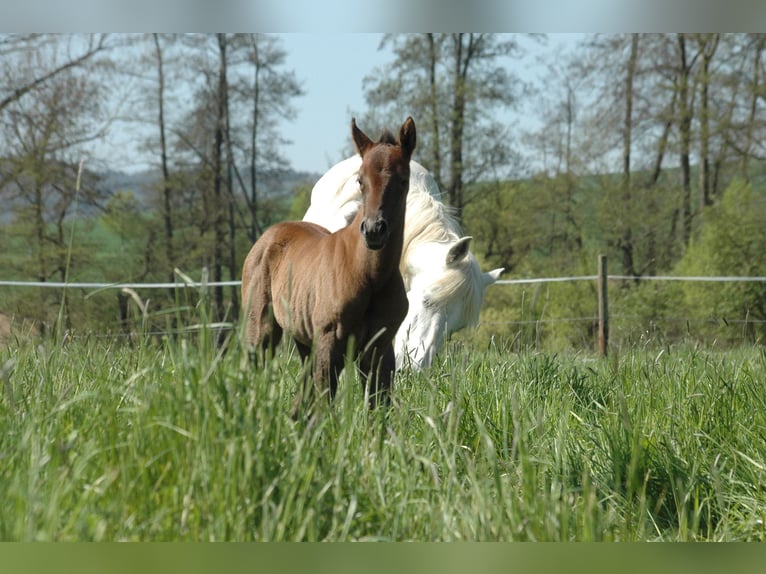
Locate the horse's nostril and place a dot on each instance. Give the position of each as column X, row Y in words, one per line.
column 377, row 227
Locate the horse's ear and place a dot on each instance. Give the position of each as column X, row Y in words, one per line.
column 491, row 276
column 361, row 141
column 407, row 136
column 458, row 250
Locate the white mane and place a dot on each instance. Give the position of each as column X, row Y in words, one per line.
column 427, row 218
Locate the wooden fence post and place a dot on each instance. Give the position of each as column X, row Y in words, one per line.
column 603, row 307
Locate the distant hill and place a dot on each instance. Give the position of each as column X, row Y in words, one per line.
column 279, row 186
column 143, row 184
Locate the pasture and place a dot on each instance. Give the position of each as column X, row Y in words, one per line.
column 175, row 440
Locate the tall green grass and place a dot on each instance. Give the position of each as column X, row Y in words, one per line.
column 179, row 440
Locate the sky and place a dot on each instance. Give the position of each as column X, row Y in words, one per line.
column 332, row 67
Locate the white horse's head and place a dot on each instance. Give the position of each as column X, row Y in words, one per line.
column 445, row 289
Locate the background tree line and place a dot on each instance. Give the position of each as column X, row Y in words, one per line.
column 217, row 181
column 646, row 147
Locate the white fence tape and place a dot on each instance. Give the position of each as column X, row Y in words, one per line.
column 75, row 285
column 626, row 278
column 197, row 285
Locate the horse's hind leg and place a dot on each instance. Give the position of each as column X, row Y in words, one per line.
column 305, row 382
column 262, row 331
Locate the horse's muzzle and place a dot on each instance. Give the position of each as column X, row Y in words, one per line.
column 375, row 234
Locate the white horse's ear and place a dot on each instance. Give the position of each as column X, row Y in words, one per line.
column 491, row 276
column 459, row 249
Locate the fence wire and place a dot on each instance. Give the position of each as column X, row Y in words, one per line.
column 521, row 281
column 189, row 284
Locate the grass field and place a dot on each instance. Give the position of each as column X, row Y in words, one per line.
column 178, row 441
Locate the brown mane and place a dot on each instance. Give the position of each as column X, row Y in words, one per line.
column 387, row 138
column 327, row 290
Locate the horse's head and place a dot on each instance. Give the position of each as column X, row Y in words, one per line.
column 384, row 180
column 445, row 292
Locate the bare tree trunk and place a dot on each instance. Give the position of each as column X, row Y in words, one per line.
column 756, row 93
column 42, row 272
column 64, row 322
column 570, row 222
column 220, row 237
column 461, row 55
column 651, row 250
column 662, row 145
column 255, row 229
column 166, row 188
column 232, row 263
column 456, row 124
column 685, row 128
column 570, row 114
column 436, row 168
column 626, row 240
column 708, row 47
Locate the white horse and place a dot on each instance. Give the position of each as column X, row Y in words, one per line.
column 445, row 286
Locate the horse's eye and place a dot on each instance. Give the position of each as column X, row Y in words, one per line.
column 360, row 183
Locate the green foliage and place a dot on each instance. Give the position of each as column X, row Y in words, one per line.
column 123, row 217
column 732, row 242
column 647, row 313
column 551, row 316
column 556, row 227
column 182, row 440
column 300, row 203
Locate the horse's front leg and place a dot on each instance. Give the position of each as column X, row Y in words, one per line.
column 329, row 362
column 378, row 366
column 329, row 368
